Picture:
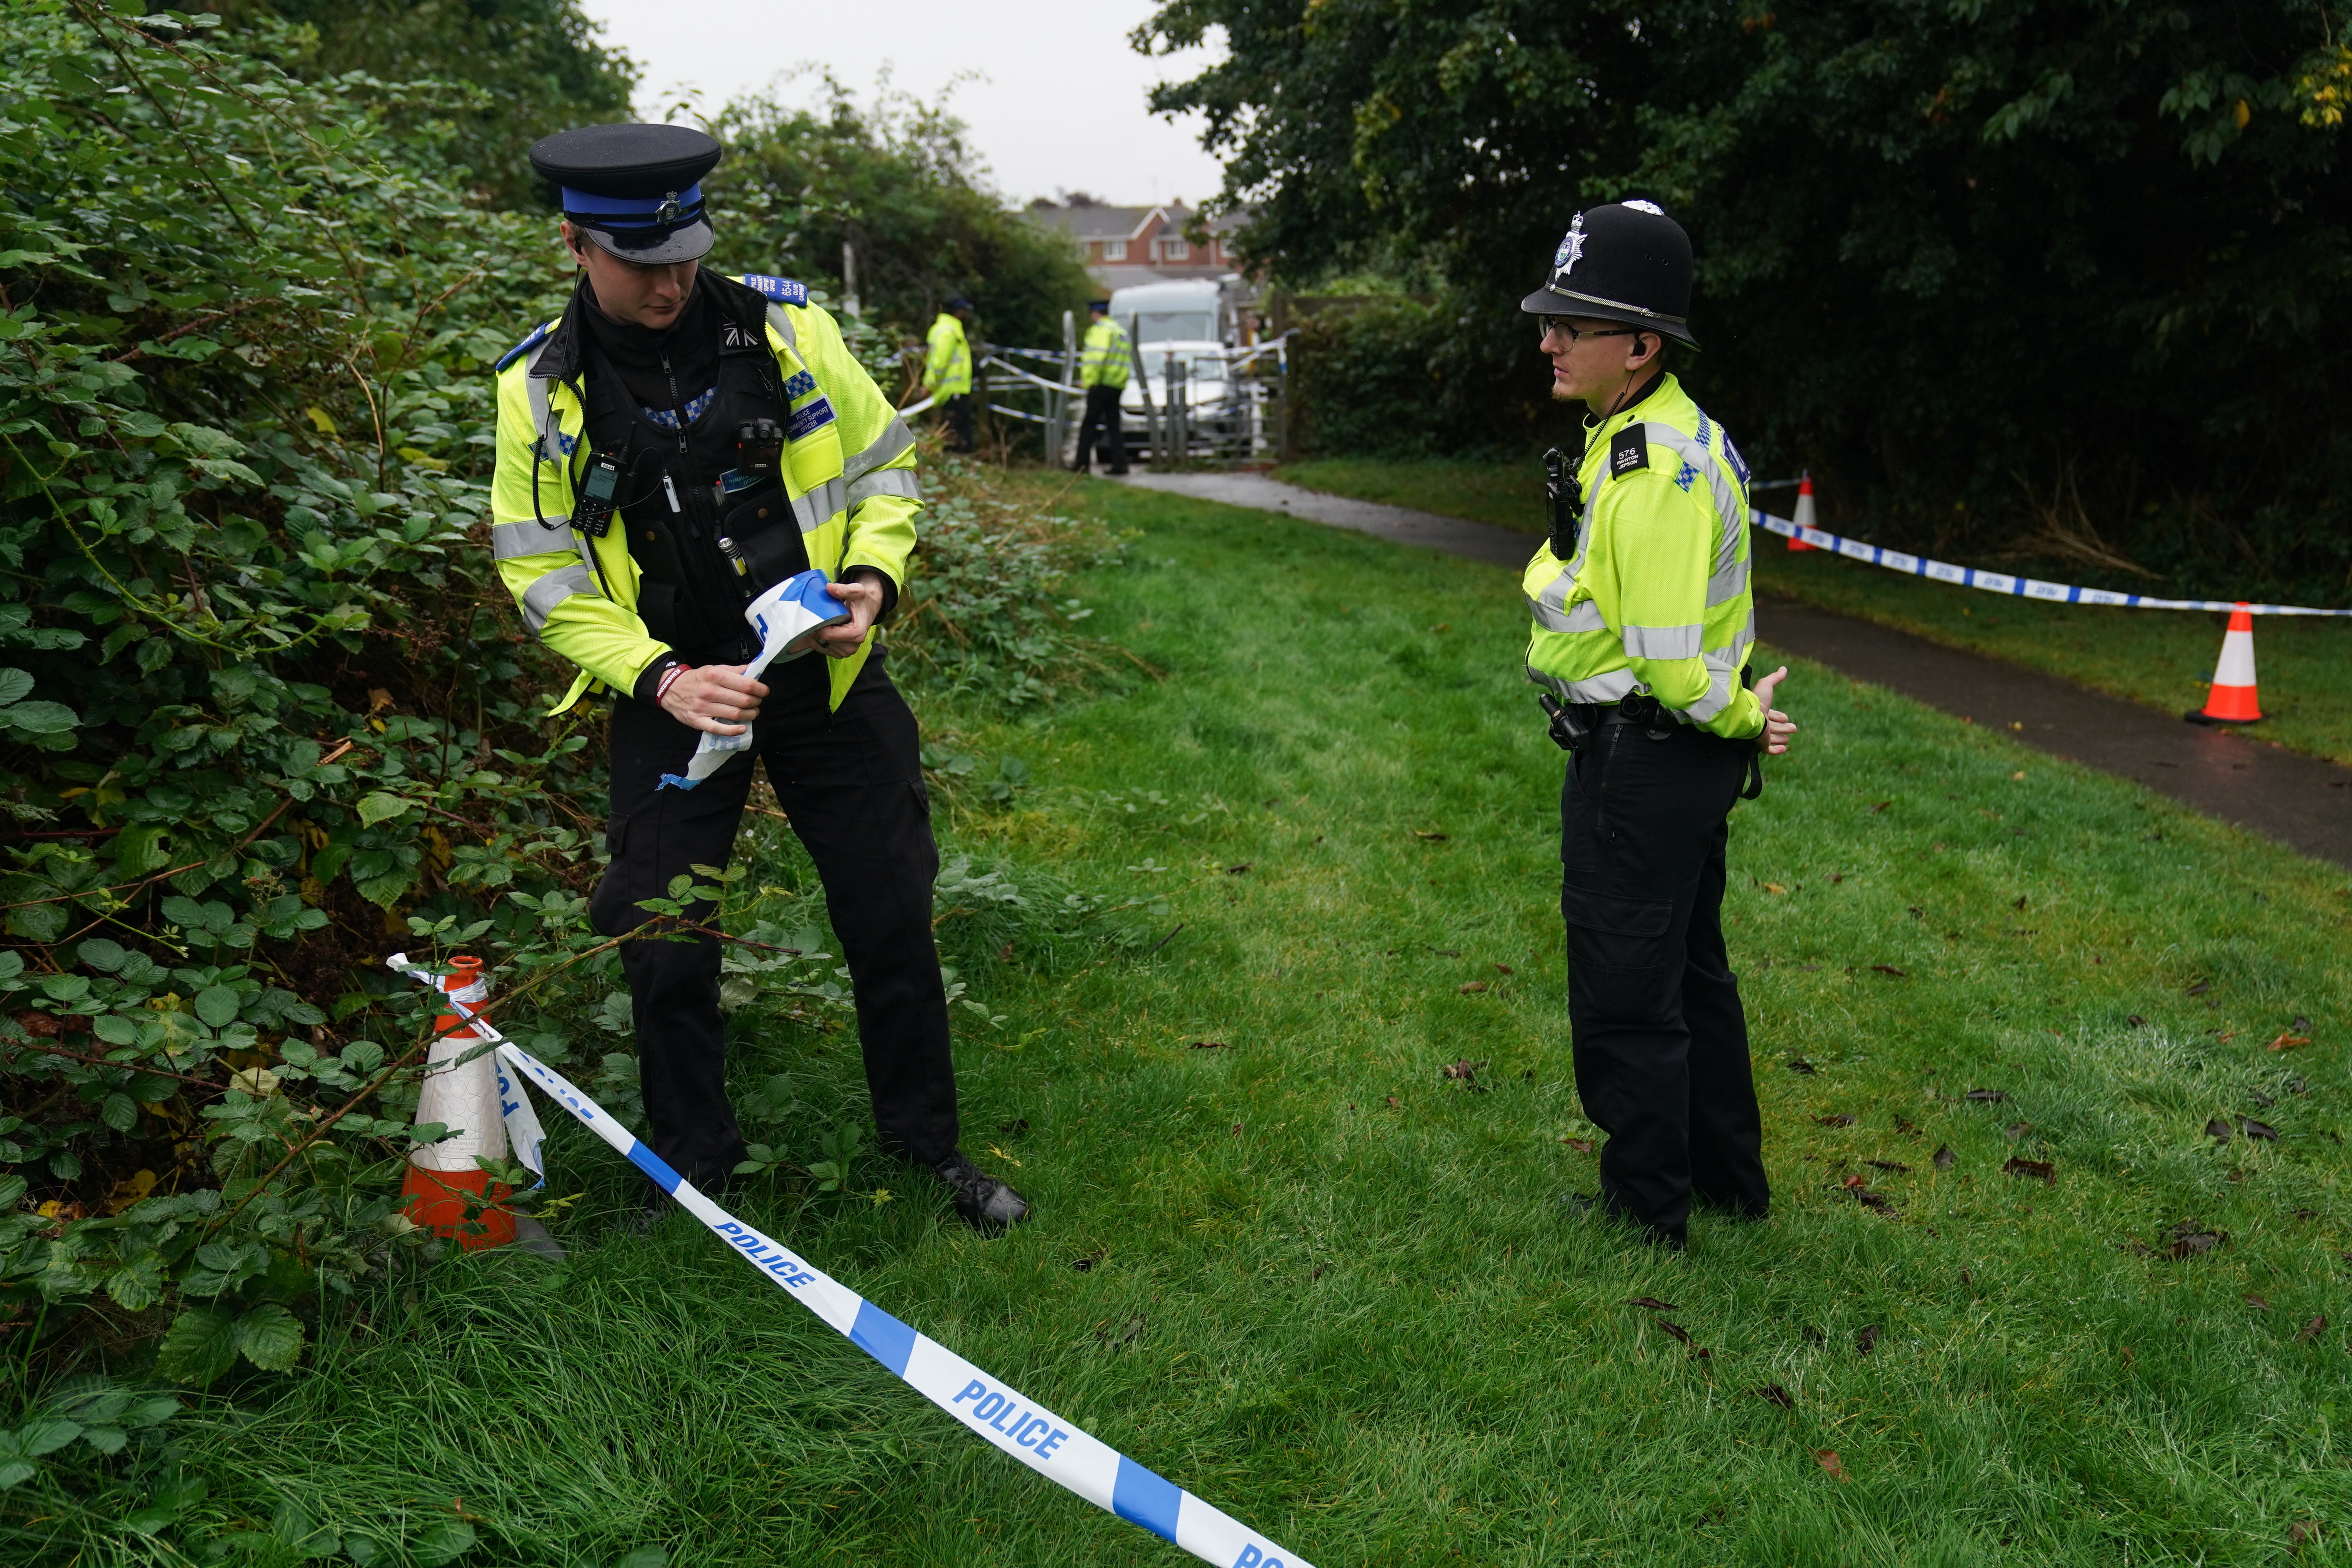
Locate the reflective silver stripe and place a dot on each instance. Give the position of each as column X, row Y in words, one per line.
column 1663, row 642
column 889, row 482
column 510, row 540
column 820, row 505
column 543, row 423
column 1613, row 686
column 1718, row 694
column 541, row 598
column 783, row 325
column 885, row 447
column 1727, row 503
column 1727, row 584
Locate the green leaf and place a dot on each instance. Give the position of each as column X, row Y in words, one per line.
column 40, row 717
column 270, row 1337
column 443, row 1541
column 15, row 1472
column 138, row 851
column 105, row 1439
column 217, row 1005
column 380, row 806
column 137, row 1286
column 101, row 952
column 644, row 1557
column 119, row 1111
column 15, row 685
column 199, row 1346
column 46, row 1435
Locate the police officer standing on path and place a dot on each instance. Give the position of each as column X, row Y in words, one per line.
column 1642, row 624
column 947, row 371
column 1103, row 371
column 672, row 444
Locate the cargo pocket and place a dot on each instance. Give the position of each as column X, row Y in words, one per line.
column 1618, row 966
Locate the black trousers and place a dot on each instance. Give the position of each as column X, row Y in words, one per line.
column 957, row 410
column 1102, row 418
column 1660, row 1042
column 852, row 783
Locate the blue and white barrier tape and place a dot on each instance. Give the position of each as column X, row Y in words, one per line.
column 2002, row 581
column 1003, row 1415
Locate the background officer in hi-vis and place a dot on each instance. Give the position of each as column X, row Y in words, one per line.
column 1642, row 624
column 673, row 445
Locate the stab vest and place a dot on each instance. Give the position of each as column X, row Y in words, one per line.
column 686, row 490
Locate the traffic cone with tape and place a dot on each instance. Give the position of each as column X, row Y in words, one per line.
column 1805, row 513
column 446, row 1192
column 2232, row 700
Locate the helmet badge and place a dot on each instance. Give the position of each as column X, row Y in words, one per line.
column 670, row 208
column 1653, row 208
column 1571, row 247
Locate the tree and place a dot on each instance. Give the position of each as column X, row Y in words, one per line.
column 535, row 65
column 896, row 180
column 2070, row 277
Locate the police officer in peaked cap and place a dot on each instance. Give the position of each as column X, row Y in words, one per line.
column 674, row 444
column 1643, row 627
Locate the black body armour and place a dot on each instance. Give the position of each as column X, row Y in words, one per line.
column 704, row 506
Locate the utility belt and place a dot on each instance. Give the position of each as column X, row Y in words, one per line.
column 1577, row 726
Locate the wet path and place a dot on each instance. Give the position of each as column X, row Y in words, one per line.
column 2300, row 801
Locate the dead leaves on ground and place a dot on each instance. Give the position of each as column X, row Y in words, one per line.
column 2038, row 1170
column 1773, row 1394
column 1828, row 1459
column 1944, row 1158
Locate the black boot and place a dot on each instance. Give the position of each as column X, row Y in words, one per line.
column 987, row 1204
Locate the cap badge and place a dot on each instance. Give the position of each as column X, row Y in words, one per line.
column 1651, row 207
column 670, row 208
column 1571, row 247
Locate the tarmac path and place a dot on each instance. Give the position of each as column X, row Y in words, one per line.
column 2302, row 802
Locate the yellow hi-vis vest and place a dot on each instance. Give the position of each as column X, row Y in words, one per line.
column 1655, row 600
column 1104, row 359
column 848, row 468
column 947, row 358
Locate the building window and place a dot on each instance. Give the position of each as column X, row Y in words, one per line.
column 1113, row 250
column 1174, row 250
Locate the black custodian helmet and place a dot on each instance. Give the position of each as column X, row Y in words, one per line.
column 1624, row 263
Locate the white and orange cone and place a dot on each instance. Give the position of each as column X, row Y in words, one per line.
column 447, row 1193
column 2233, row 699
column 1806, row 515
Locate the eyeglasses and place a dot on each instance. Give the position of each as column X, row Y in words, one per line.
column 1548, row 325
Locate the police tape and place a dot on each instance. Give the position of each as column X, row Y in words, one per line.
column 2002, row 581
column 987, row 1405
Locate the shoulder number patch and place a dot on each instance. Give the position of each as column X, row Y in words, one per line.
column 1629, row 450
column 783, row 290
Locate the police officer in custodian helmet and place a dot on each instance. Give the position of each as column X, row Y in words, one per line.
column 671, row 445
column 1642, row 624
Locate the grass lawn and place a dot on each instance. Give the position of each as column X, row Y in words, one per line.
column 2163, row 659
column 1284, row 1259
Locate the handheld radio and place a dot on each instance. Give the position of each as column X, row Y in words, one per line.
column 592, row 510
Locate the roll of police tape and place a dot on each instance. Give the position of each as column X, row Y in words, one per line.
column 1000, row 1414
column 2002, row 582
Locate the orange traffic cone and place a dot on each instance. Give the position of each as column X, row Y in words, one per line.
column 2232, row 700
column 447, row 1193
column 1805, row 513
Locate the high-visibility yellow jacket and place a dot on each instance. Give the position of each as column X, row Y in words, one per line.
column 947, row 358
column 1655, row 599
column 1104, row 362
column 848, row 468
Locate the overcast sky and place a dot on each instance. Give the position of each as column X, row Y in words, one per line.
column 1059, row 102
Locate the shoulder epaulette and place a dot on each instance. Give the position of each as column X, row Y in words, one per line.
column 538, row 335
column 1628, row 449
column 783, row 290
